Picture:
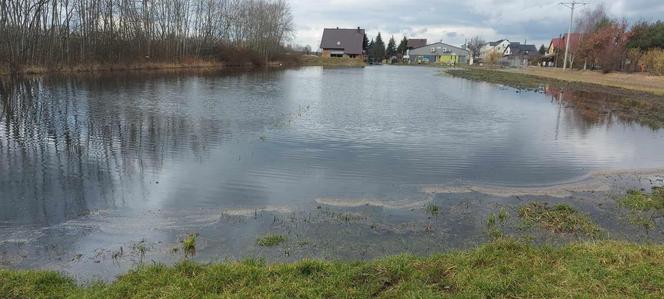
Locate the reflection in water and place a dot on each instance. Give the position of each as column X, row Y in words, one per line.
column 66, row 148
column 75, row 145
column 587, row 109
column 597, row 108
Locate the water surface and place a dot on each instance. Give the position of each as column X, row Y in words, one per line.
column 91, row 163
column 71, row 146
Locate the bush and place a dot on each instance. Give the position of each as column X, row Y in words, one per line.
column 493, row 58
column 654, row 61
column 238, row 56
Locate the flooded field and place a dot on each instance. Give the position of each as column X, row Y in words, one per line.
column 99, row 174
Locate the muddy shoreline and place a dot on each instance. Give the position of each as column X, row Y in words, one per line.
column 105, row 244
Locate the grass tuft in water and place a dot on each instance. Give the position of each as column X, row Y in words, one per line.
column 432, row 209
column 271, row 240
column 561, row 218
column 140, row 249
column 189, row 245
column 492, row 228
column 502, row 215
column 643, row 207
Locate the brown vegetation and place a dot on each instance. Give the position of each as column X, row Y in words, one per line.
column 90, row 34
column 653, row 61
column 607, row 44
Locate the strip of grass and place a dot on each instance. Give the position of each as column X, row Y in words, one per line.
column 594, row 100
column 271, row 240
column 640, row 201
column 504, row 268
column 519, row 81
column 560, row 218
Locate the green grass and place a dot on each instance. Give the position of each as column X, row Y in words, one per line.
column 643, row 207
column 432, row 209
column 189, row 245
column 560, row 218
column 640, row 201
column 504, row 268
column 271, row 240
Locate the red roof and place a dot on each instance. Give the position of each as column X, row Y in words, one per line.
column 559, row 42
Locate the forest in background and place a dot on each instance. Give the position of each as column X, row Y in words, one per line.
column 65, row 33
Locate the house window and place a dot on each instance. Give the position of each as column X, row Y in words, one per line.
column 337, row 55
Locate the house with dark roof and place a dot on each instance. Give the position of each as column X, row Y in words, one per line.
column 414, row 43
column 342, row 42
column 518, row 54
column 510, row 53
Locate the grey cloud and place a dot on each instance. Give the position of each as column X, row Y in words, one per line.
column 535, row 20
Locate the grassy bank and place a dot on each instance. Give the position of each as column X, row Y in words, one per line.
column 311, row 60
column 503, row 268
column 149, row 66
column 635, row 81
column 91, row 68
column 593, row 101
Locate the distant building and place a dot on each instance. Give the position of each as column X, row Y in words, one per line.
column 440, row 53
column 414, row 43
column 518, row 54
column 510, row 53
column 493, row 47
column 556, row 51
column 342, row 42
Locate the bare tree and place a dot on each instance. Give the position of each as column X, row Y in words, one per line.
column 474, row 45
column 57, row 33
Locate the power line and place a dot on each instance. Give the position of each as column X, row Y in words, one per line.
column 571, row 5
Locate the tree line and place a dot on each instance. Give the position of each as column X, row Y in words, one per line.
column 609, row 44
column 377, row 51
column 57, row 33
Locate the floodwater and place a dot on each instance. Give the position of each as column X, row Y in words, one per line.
column 92, row 164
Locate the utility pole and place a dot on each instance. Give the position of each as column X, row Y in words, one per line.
column 571, row 5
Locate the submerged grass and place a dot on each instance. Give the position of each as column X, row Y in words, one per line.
column 503, row 268
column 432, row 209
column 560, row 218
column 189, row 245
column 594, row 101
column 644, row 207
column 640, row 201
column 271, row 240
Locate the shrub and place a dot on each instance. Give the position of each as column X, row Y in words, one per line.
column 654, row 61
column 493, row 58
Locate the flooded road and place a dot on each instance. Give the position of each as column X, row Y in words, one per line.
column 337, row 159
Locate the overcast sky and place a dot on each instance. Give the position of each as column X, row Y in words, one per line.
column 452, row 21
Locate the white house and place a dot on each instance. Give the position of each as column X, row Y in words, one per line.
column 499, row 47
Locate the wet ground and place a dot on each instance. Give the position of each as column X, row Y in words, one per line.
column 109, row 242
column 100, row 174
